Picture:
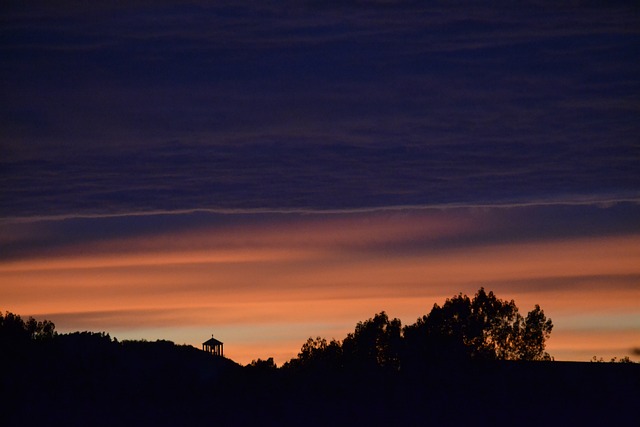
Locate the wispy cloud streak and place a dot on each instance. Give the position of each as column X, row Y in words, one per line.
column 273, row 173
column 329, row 271
column 224, row 107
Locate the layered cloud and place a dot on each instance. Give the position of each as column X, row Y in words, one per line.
column 171, row 168
column 187, row 106
column 288, row 276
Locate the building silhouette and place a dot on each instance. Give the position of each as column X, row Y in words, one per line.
column 213, row 346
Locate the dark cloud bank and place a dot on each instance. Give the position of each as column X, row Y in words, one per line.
column 181, row 106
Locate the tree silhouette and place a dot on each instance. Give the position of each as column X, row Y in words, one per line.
column 484, row 327
column 440, row 335
column 462, row 329
column 262, row 365
column 16, row 334
column 318, row 354
column 536, row 330
column 374, row 343
column 40, row 330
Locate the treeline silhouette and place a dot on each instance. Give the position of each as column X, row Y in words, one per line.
column 463, row 329
column 89, row 378
column 471, row 360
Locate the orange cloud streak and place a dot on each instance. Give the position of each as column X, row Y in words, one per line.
column 319, row 273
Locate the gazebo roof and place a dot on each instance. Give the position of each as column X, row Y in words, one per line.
column 212, row 341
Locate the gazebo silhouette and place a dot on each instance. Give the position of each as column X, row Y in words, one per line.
column 213, row 346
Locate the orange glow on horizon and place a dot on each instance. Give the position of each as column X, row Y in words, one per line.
column 321, row 276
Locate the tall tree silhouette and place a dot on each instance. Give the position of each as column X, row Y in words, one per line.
column 484, row 327
column 534, row 334
column 374, row 343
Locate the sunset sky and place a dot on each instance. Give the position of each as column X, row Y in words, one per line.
column 270, row 171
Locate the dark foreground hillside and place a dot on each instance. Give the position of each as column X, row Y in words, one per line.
column 87, row 379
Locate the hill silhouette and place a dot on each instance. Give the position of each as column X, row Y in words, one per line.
column 381, row 374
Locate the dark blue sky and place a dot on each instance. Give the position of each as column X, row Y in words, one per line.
column 266, row 171
column 156, row 106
